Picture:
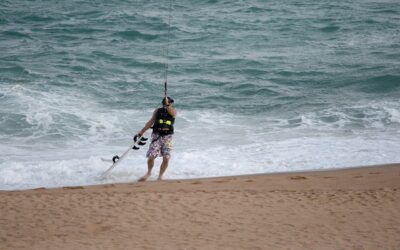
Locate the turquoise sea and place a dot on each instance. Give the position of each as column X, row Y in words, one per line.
column 259, row 86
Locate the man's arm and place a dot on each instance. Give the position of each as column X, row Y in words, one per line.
column 148, row 124
column 171, row 111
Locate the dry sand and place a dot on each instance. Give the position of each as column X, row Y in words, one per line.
column 340, row 209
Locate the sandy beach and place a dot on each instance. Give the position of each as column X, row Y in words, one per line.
column 356, row 208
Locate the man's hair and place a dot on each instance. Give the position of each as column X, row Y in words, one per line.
column 170, row 100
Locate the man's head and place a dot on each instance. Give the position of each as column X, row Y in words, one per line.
column 170, row 101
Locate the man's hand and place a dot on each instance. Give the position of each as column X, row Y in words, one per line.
column 166, row 101
column 138, row 135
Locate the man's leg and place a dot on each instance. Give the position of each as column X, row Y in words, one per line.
column 163, row 167
column 150, row 164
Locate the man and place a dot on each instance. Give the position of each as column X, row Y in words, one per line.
column 162, row 122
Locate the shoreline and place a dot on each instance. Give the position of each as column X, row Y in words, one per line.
column 308, row 171
column 351, row 208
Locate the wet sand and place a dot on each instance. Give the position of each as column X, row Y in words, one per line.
column 356, row 208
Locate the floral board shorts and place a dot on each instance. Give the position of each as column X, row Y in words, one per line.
column 160, row 146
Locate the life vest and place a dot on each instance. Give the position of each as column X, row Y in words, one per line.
column 164, row 123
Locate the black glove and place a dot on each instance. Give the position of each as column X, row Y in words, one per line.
column 135, row 138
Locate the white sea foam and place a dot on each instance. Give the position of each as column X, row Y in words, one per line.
column 206, row 144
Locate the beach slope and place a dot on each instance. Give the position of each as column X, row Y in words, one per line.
column 356, row 208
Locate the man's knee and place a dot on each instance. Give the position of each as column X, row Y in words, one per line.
column 165, row 159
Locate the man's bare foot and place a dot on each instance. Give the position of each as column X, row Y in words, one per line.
column 159, row 178
column 144, row 178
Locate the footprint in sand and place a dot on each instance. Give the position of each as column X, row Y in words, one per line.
column 196, row 182
column 96, row 228
column 76, row 187
column 221, row 181
column 375, row 173
column 298, row 178
column 357, row 176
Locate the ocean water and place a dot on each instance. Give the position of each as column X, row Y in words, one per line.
column 259, row 86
